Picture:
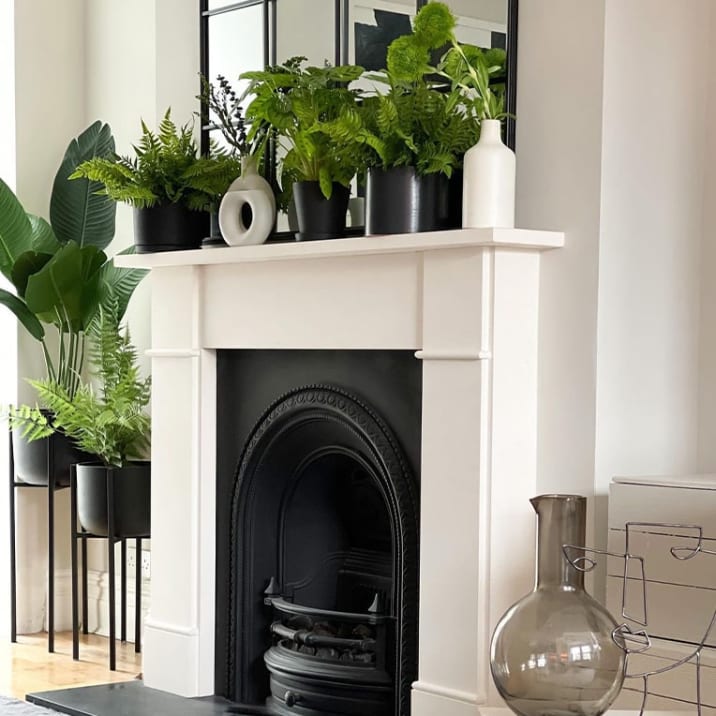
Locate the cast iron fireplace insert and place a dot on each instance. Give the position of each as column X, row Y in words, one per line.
column 317, row 531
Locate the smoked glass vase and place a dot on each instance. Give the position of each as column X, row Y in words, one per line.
column 552, row 653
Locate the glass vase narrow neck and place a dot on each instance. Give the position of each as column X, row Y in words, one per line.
column 562, row 520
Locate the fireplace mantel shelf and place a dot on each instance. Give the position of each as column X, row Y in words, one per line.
column 360, row 246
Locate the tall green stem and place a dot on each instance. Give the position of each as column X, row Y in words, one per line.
column 71, row 364
column 49, row 366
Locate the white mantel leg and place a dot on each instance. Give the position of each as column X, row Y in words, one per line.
column 479, row 427
column 179, row 632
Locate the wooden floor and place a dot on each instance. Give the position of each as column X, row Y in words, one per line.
column 26, row 667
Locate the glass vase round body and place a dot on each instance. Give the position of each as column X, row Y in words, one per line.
column 552, row 652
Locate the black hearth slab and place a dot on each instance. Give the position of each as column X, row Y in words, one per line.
column 132, row 698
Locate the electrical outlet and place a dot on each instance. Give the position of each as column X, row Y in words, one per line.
column 146, row 564
column 131, row 559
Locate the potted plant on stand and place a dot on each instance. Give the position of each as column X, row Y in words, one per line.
column 170, row 186
column 109, row 422
column 111, row 497
column 60, row 276
column 298, row 105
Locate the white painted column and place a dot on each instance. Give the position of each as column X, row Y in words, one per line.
column 455, row 385
column 180, row 627
column 479, row 436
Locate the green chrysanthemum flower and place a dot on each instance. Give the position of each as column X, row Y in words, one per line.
column 434, row 25
column 407, row 60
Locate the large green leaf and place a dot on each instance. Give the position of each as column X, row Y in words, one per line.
column 77, row 212
column 27, row 264
column 43, row 237
column 66, row 290
column 23, row 314
column 15, row 229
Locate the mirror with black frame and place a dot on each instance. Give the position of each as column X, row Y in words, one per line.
column 246, row 35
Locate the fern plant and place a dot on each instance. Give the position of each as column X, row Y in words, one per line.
column 166, row 168
column 415, row 118
column 429, row 115
column 110, row 421
column 298, row 106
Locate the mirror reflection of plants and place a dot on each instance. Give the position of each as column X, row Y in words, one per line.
column 223, row 111
column 59, row 270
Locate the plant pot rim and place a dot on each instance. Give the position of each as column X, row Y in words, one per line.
column 130, row 463
column 315, row 181
column 163, row 203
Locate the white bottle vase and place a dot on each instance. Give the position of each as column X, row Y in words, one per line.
column 488, row 196
column 252, row 189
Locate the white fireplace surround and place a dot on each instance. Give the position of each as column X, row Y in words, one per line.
column 466, row 302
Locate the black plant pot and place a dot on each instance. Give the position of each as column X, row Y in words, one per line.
column 399, row 201
column 32, row 459
column 454, row 208
column 318, row 217
column 169, row 227
column 132, row 499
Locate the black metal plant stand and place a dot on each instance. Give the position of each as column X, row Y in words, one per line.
column 112, row 538
column 51, row 487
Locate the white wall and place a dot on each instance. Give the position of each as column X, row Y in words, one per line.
column 49, row 111
column 611, row 148
column 653, row 167
column 162, row 71
column 72, row 67
column 707, row 372
column 559, row 135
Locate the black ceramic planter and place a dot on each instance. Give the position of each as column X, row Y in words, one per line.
column 32, row 459
column 169, row 227
column 399, row 201
column 132, row 499
column 318, row 217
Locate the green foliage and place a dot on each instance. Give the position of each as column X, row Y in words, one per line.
column 479, row 76
column 111, row 424
column 59, row 271
column 166, row 168
column 434, row 25
column 299, row 106
column 418, row 126
column 29, row 422
column 417, row 120
column 77, row 212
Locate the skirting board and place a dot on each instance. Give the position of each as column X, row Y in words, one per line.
column 97, row 602
column 426, row 703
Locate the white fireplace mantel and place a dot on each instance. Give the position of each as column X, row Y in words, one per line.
column 467, row 303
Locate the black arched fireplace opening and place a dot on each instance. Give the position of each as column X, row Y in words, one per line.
column 322, row 560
